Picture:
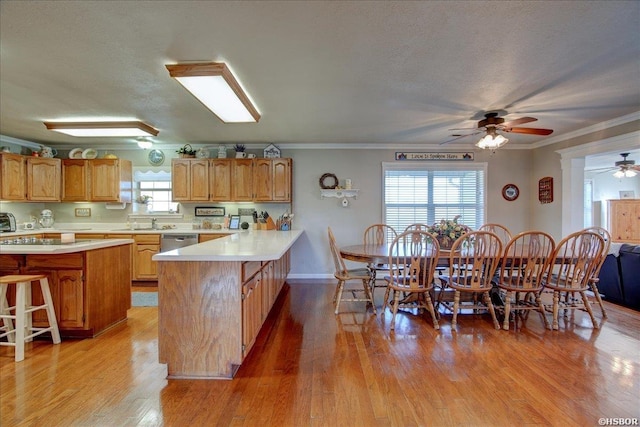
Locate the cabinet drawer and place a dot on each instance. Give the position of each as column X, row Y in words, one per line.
column 207, row 237
column 249, row 268
column 147, row 238
column 73, row 261
column 11, row 262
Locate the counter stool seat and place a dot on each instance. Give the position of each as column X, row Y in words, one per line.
column 22, row 312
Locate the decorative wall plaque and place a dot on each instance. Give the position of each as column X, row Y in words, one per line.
column 545, row 189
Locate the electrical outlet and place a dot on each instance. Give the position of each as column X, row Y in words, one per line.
column 83, row 212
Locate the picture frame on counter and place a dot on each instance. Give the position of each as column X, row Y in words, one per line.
column 209, row 211
column 234, row 222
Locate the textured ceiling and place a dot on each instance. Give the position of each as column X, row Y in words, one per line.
column 320, row 72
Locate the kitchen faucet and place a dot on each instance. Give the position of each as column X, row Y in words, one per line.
column 154, row 223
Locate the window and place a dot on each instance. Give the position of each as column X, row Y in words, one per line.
column 417, row 193
column 155, row 184
column 588, row 203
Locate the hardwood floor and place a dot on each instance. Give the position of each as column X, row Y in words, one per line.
column 310, row 367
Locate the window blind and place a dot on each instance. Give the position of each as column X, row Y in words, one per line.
column 426, row 194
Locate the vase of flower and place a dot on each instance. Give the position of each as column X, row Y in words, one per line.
column 240, row 153
column 447, row 231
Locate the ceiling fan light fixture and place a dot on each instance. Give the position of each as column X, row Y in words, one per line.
column 630, row 173
column 492, row 140
column 102, row 129
column 144, row 142
column 618, row 174
column 215, row 86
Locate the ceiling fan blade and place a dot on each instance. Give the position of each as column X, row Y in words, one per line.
column 474, row 128
column 520, row 121
column 458, row 137
column 529, row 131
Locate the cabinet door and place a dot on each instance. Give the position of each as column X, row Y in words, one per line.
column 263, row 180
column 104, row 176
column 13, row 173
column 220, row 180
column 70, row 284
column 281, row 180
column 75, row 180
column 180, row 179
column 199, row 180
column 251, row 313
column 144, row 268
column 43, row 179
column 242, row 188
column 624, row 220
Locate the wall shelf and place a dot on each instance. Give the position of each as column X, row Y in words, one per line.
column 339, row 193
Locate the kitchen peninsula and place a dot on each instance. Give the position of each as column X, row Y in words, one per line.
column 89, row 279
column 214, row 298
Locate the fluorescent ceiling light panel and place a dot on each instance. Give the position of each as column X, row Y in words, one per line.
column 98, row 129
column 213, row 84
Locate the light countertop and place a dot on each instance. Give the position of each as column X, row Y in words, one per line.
column 246, row 245
column 67, row 248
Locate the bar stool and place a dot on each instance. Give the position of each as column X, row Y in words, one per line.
column 24, row 331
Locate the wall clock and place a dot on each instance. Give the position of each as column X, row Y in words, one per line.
column 156, row 157
column 510, row 192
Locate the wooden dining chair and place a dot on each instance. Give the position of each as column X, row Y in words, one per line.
column 413, row 256
column 576, row 257
column 525, row 263
column 500, row 230
column 416, row 227
column 593, row 282
column 379, row 234
column 344, row 275
column 473, row 261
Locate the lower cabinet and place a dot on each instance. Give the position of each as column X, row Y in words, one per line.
column 260, row 290
column 90, row 290
column 146, row 246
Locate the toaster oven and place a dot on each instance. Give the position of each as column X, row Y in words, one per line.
column 7, row 222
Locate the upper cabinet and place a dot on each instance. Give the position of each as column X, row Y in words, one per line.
column 272, row 180
column 97, row 180
column 190, row 180
column 30, row 179
column 232, row 180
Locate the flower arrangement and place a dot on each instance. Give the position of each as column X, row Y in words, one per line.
column 144, row 199
column 239, row 148
column 186, row 150
column 447, row 231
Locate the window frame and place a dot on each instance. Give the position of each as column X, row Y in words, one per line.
column 439, row 166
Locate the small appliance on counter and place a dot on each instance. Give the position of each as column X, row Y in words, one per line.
column 7, row 222
column 46, row 219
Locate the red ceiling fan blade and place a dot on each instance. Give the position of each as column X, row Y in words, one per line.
column 529, row 131
column 520, row 121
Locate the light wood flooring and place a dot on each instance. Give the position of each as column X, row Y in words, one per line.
column 310, row 367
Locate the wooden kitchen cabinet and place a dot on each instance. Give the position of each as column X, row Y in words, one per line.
column 272, row 180
column 190, row 179
column 242, row 174
column 97, row 180
column 43, row 179
column 33, row 179
column 232, row 180
column 220, row 180
column 207, row 237
column 146, row 246
column 624, row 220
column 251, row 312
column 91, row 290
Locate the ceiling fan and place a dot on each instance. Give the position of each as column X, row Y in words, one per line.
column 492, row 123
column 624, row 168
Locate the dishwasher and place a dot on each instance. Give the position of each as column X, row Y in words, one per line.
column 174, row 241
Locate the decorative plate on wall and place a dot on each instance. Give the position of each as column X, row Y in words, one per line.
column 510, row 192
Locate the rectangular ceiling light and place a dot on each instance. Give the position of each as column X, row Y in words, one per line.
column 215, row 86
column 99, row 129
